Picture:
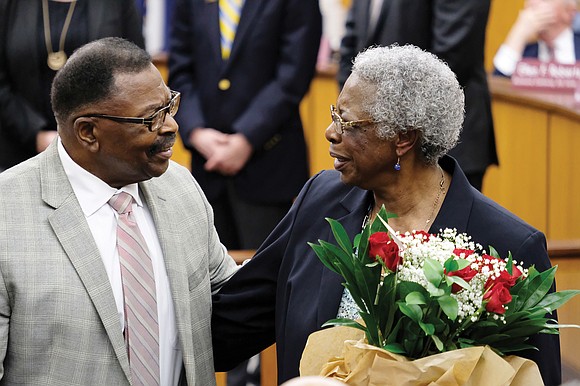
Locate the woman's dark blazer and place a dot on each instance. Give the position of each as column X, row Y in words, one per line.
column 19, row 81
column 284, row 293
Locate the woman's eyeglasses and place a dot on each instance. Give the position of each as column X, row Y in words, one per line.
column 340, row 124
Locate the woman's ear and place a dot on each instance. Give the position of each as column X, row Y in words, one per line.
column 85, row 129
column 406, row 141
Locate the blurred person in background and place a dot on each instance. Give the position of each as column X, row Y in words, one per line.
column 36, row 37
column 544, row 31
column 455, row 32
column 157, row 16
column 333, row 20
column 240, row 107
column 242, row 68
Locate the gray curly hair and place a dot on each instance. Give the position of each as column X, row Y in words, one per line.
column 415, row 90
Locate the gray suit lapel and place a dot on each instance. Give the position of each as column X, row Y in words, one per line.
column 163, row 215
column 71, row 229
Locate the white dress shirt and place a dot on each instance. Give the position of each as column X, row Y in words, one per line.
column 506, row 59
column 93, row 195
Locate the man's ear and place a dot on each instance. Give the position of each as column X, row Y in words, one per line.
column 85, row 129
column 406, row 141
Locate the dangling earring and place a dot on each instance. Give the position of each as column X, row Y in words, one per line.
column 398, row 164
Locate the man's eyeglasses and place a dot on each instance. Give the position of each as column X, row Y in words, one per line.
column 340, row 124
column 155, row 121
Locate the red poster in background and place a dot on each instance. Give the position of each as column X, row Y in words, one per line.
column 548, row 76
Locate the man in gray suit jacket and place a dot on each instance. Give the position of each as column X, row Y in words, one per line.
column 62, row 311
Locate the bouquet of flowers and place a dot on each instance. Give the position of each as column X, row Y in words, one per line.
column 420, row 294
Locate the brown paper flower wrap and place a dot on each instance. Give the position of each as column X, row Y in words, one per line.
column 341, row 353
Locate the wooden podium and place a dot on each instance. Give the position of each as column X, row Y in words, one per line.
column 538, row 179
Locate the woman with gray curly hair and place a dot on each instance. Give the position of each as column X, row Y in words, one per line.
column 399, row 113
column 423, row 94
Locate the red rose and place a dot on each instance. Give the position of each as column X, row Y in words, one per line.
column 466, row 274
column 382, row 247
column 498, row 296
column 509, row 280
column 516, row 272
column 505, row 278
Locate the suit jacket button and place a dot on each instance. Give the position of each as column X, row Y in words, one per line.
column 224, row 84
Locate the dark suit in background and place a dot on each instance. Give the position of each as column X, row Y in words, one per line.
column 24, row 75
column 256, row 92
column 285, row 293
column 454, row 30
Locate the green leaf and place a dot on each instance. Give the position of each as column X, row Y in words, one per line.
column 539, row 287
column 440, row 346
column 434, row 291
column 555, row 300
column 392, row 335
column 510, row 264
column 449, row 306
column 490, row 339
column 338, row 253
column 362, row 250
column 415, row 298
column 462, row 263
column 356, row 239
column 340, row 235
column 406, row 287
column 451, row 265
column 372, row 330
column 457, row 280
column 387, row 295
column 395, row 348
column 558, row 326
column 412, row 311
column 433, row 271
column 517, row 348
column 324, row 258
column 428, row 328
column 382, row 217
column 493, row 252
column 344, row 322
column 454, row 263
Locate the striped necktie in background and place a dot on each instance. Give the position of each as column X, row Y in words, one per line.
column 141, row 323
column 230, row 11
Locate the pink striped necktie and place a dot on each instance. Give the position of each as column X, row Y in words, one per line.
column 141, row 325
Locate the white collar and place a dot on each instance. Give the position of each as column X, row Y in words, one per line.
column 91, row 192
